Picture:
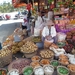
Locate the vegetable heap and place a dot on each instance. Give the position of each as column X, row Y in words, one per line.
column 62, row 70
column 28, row 71
column 55, row 63
column 3, row 72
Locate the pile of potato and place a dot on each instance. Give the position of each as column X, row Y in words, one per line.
column 16, row 46
column 47, row 54
column 8, row 41
column 29, row 47
column 4, row 52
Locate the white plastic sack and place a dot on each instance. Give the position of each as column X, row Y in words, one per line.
column 61, row 36
column 37, row 32
column 36, row 24
column 17, row 38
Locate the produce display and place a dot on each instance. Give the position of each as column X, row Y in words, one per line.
column 54, row 63
column 71, row 38
column 35, row 58
column 29, row 47
column 13, row 72
column 36, row 39
column 44, row 62
column 72, row 22
column 64, row 62
column 28, row 71
column 62, row 56
column 8, row 41
column 62, row 22
column 39, row 71
column 54, row 46
column 61, row 44
column 71, row 34
column 71, row 67
column 19, row 64
column 63, row 70
column 15, row 47
column 68, row 48
column 3, row 72
column 4, row 52
column 49, row 69
column 47, row 54
column 63, row 59
column 35, row 64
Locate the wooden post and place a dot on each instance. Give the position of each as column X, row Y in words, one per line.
column 38, row 5
column 55, row 1
column 33, row 3
column 28, row 1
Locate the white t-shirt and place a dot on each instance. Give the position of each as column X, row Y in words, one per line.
column 38, row 22
column 24, row 23
column 45, row 31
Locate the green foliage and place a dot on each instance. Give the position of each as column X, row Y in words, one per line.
column 61, row 3
column 50, row 1
column 7, row 7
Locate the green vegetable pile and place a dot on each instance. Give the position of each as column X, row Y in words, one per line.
column 36, row 39
column 62, row 70
column 28, row 71
column 55, row 63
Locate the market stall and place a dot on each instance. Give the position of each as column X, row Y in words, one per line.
column 32, row 56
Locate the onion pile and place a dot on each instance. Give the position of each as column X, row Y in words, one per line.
column 19, row 64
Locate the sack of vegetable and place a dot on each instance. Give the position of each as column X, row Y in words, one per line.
column 13, row 72
column 48, row 69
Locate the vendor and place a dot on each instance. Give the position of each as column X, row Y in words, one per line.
column 39, row 20
column 49, row 15
column 24, row 24
column 49, row 31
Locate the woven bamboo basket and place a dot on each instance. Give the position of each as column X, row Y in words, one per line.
column 5, row 60
column 49, row 73
column 72, row 72
column 29, row 55
column 63, row 67
column 12, row 71
column 26, row 68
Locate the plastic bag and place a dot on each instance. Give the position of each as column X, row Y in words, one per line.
column 37, row 32
column 61, row 36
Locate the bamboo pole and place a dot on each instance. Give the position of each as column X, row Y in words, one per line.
column 28, row 1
